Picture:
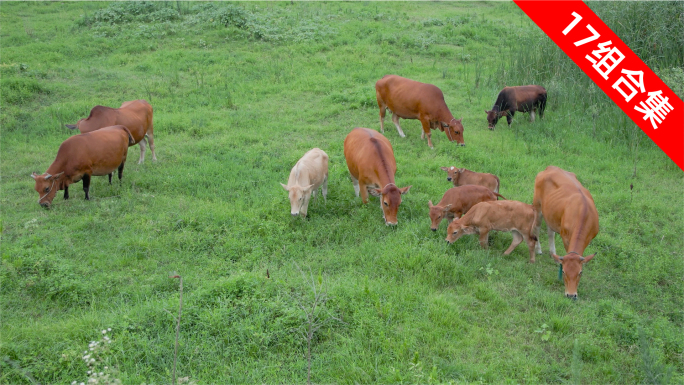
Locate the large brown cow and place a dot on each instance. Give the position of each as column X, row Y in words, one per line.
column 517, row 217
column 568, row 209
column 463, row 176
column 456, row 201
column 81, row 156
column 410, row 99
column 136, row 115
column 520, row 98
column 372, row 166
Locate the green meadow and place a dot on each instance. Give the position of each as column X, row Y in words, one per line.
column 240, row 92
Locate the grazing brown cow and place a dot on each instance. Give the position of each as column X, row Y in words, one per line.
column 462, row 177
column 136, row 115
column 410, row 99
column 517, row 217
column 457, row 201
column 568, row 209
column 371, row 164
column 512, row 99
column 79, row 157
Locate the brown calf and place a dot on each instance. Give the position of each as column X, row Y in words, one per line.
column 410, row 99
column 517, row 217
column 457, row 201
column 568, row 209
column 462, row 176
column 371, row 164
column 136, row 115
column 512, row 99
column 79, row 157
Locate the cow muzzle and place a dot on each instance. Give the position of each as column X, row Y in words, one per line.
column 572, row 296
column 45, row 205
column 449, row 179
column 462, row 144
column 294, row 215
column 433, row 228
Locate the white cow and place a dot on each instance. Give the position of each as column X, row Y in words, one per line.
column 310, row 173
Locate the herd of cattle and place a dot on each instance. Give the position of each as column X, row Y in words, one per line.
column 470, row 207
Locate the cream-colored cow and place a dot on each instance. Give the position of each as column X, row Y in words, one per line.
column 310, row 173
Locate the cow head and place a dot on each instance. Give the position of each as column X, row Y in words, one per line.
column 572, row 265
column 456, row 230
column 47, row 186
column 492, row 118
column 453, row 174
column 437, row 213
column 299, row 198
column 390, row 199
column 454, row 130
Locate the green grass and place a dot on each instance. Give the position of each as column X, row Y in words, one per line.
column 241, row 92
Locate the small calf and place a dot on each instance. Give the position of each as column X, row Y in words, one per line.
column 462, row 176
column 457, row 201
column 517, row 217
column 307, row 175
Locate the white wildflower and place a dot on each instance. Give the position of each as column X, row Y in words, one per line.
column 101, row 373
column 104, row 332
column 109, row 329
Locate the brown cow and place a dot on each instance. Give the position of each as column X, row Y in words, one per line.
column 79, row 157
column 512, row 99
column 462, row 176
column 457, row 201
column 517, row 217
column 568, row 209
column 410, row 99
column 371, row 164
column 136, row 115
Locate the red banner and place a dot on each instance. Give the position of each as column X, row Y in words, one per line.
column 618, row 71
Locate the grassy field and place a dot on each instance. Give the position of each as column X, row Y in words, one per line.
column 240, row 92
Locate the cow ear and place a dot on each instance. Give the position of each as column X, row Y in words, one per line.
column 430, row 203
column 486, row 112
column 404, row 190
column 588, row 258
column 557, row 258
column 376, row 192
column 56, row 176
column 447, row 207
column 461, row 169
column 307, row 187
column 444, row 168
column 285, row 187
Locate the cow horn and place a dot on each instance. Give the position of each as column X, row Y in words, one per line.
column 34, row 175
column 581, row 259
column 47, row 176
column 560, row 259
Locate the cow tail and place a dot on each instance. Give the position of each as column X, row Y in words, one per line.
column 499, row 195
column 534, row 223
column 498, row 184
column 131, row 141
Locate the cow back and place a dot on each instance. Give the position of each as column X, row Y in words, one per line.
column 567, row 207
column 136, row 115
column 409, row 98
column 370, row 156
column 99, row 152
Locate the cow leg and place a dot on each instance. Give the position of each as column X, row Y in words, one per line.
column 484, row 238
column 517, row 239
column 121, row 166
column 530, row 245
column 364, row 192
column 150, row 140
column 356, row 186
column 382, row 118
column 532, row 115
column 395, row 120
column 552, row 240
column 86, row 186
column 142, row 150
column 509, row 117
column 426, row 131
column 110, row 178
column 324, row 188
column 66, row 192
